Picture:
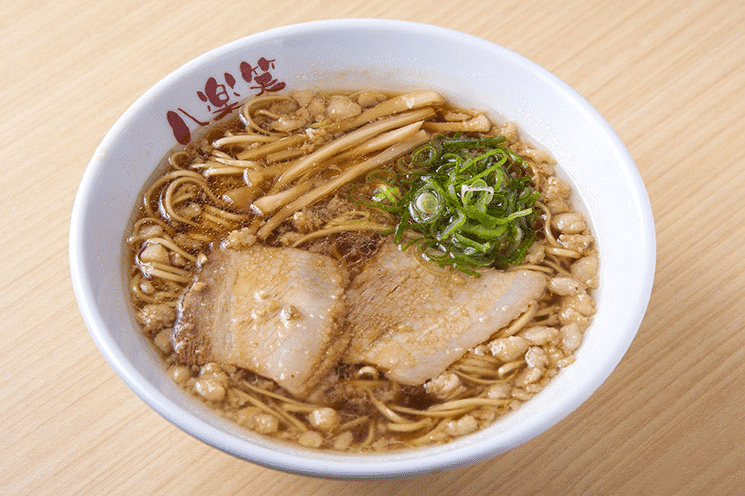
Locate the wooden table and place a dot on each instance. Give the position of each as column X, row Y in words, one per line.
column 668, row 75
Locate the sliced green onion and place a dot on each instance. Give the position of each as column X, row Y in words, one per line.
column 464, row 202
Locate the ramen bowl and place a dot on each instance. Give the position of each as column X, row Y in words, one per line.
column 384, row 55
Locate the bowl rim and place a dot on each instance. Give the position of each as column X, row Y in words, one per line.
column 347, row 466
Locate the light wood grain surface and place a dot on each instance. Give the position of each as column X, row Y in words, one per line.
column 668, row 75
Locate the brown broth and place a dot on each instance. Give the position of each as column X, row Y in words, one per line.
column 369, row 429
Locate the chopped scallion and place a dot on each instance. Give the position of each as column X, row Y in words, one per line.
column 468, row 202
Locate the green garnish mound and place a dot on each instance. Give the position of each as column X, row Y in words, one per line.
column 463, row 202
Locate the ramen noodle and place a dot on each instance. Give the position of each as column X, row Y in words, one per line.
column 361, row 271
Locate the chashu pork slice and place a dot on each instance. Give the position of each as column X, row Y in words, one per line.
column 413, row 321
column 278, row 312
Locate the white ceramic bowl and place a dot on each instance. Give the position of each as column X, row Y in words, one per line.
column 354, row 54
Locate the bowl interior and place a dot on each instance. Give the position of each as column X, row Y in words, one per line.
column 353, row 54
